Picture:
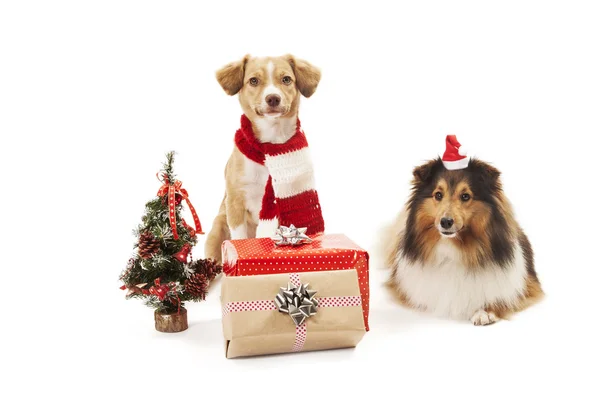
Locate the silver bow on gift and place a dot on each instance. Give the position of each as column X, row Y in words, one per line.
column 290, row 236
column 297, row 301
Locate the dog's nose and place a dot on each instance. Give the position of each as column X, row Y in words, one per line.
column 447, row 223
column 273, row 100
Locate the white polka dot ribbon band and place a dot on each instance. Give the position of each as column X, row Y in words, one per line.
column 298, row 301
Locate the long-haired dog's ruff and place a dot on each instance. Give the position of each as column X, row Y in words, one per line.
column 457, row 250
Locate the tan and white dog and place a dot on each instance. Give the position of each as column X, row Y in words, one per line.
column 269, row 91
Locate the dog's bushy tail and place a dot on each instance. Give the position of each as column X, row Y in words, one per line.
column 389, row 245
column 218, row 234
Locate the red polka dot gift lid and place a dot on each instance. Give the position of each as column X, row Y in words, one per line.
column 325, row 253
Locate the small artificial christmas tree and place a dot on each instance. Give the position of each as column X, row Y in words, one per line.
column 161, row 273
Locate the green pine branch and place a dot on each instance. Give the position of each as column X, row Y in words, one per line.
column 168, row 166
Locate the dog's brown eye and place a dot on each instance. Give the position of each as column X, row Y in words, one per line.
column 253, row 81
column 286, row 80
column 465, row 197
column 438, row 196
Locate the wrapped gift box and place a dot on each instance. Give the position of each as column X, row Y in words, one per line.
column 268, row 309
column 325, row 253
column 253, row 323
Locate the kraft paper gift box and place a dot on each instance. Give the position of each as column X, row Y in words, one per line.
column 252, row 324
column 257, row 271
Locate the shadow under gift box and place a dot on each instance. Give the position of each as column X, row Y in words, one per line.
column 256, row 268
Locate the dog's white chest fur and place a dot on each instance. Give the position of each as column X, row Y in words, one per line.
column 254, row 181
column 448, row 288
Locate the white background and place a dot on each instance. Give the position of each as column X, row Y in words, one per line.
column 92, row 94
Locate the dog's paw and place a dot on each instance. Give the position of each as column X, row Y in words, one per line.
column 239, row 232
column 267, row 228
column 481, row 318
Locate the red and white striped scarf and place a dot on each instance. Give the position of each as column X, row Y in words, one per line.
column 290, row 196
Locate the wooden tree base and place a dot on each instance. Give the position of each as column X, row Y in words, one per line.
column 171, row 323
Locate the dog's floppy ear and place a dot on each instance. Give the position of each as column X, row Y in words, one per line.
column 424, row 173
column 489, row 175
column 231, row 76
column 307, row 75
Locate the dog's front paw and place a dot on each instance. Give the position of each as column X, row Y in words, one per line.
column 481, row 318
column 239, row 232
column 267, row 228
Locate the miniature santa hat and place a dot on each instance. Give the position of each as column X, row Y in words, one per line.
column 455, row 156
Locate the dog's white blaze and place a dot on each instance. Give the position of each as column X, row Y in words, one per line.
column 253, row 184
column 448, row 288
column 270, row 70
column 270, row 88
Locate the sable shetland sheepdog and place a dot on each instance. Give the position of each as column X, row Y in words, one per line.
column 457, row 250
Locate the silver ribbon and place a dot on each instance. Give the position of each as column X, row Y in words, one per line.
column 291, row 236
column 297, row 301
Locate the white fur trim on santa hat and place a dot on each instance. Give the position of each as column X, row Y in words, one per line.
column 458, row 164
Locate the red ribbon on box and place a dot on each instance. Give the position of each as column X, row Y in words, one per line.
column 171, row 189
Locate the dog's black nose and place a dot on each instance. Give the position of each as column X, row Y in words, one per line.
column 447, row 223
column 273, row 100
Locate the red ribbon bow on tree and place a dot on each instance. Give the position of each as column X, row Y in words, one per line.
column 171, row 189
column 135, row 289
column 161, row 290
